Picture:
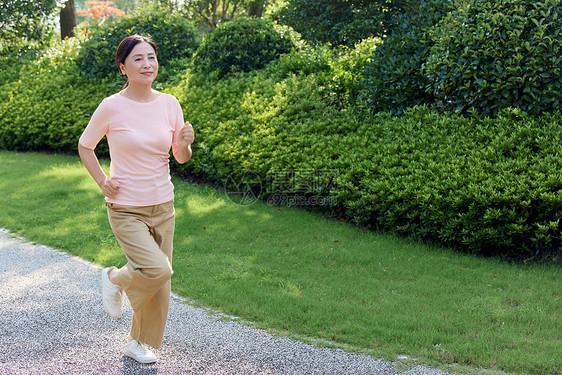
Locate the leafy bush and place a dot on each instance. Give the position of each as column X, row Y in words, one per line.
column 343, row 84
column 259, row 121
column 491, row 187
column 490, row 55
column 337, row 22
column 305, row 59
column 12, row 61
column 338, row 72
column 50, row 104
column 394, row 81
column 241, row 45
column 174, row 36
column 487, row 186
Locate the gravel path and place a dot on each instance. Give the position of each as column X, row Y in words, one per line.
column 52, row 322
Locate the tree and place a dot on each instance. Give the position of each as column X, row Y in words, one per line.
column 170, row 5
column 99, row 10
column 22, row 20
column 212, row 13
column 256, row 8
column 67, row 19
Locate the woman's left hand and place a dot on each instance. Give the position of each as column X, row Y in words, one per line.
column 186, row 134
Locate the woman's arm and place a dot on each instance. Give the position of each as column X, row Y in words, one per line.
column 183, row 153
column 109, row 188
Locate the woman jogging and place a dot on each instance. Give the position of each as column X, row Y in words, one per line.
column 141, row 125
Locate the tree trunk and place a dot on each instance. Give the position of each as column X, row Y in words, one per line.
column 256, row 8
column 67, row 20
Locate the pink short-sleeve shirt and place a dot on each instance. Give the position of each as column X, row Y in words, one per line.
column 140, row 136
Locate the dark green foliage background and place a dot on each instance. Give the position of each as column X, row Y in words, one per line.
column 490, row 55
column 469, row 55
column 394, row 81
column 241, row 45
column 338, row 22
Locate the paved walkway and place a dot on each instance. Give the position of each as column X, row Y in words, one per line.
column 52, row 322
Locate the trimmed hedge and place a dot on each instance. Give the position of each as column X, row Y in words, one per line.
column 490, row 187
column 50, row 104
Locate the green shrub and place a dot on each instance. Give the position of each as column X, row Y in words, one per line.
column 50, row 104
column 486, row 186
column 260, row 121
column 491, row 54
column 174, row 36
column 393, row 81
column 241, row 45
column 337, row 22
column 305, row 59
column 338, row 71
column 12, row 62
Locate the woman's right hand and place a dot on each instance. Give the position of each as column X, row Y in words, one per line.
column 109, row 188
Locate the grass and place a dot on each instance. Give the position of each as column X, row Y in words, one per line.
column 299, row 274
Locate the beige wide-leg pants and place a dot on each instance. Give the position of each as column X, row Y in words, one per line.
column 146, row 237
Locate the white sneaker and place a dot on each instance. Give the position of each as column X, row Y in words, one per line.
column 111, row 294
column 139, row 352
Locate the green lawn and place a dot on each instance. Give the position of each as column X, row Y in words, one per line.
column 299, row 274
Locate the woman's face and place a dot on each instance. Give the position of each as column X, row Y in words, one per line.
column 141, row 66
